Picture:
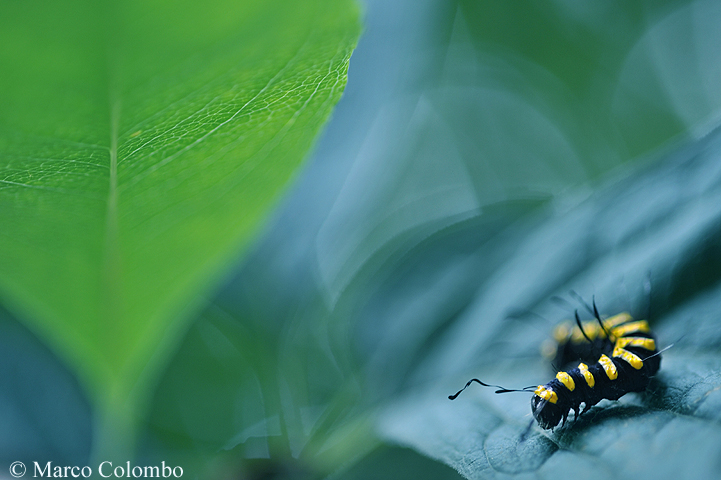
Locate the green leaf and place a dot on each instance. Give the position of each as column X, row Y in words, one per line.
column 141, row 144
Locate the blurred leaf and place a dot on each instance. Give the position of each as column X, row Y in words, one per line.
column 672, row 68
column 586, row 66
column 393, row 463
column 664, row 220
column 43, row 411
column 257, row 393
column 141, row 144
column 499, row 102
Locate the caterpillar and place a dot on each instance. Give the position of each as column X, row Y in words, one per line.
column 623, row 357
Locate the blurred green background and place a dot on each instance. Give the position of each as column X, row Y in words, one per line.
column 484, row 157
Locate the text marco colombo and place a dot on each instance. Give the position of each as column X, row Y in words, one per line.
column 107, row 470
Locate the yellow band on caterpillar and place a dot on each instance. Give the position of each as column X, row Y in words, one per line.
column 633, row 360
column 633, row 327
column 587, row 375
column 608, row 367
column 566, row 380
column 546, row 394
column 591, row 330
column 619, row 319
column 561, row 332
column 645, row 343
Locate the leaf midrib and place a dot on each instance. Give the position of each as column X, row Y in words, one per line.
column 111, row 305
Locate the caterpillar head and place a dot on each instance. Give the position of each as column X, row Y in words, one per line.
column 546, row 412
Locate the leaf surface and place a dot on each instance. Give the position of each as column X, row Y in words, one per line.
column 141, row 144
column 656, row 228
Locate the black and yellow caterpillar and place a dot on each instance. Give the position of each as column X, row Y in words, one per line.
column 622, row 355
column 628, row 359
